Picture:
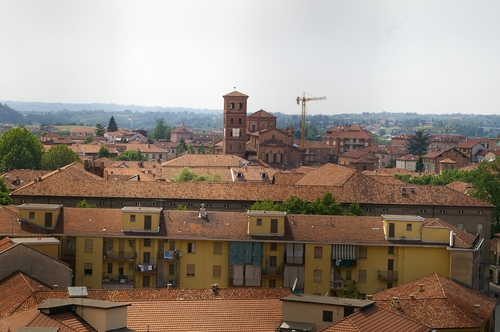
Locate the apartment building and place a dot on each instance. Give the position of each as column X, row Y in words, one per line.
column 147, row 247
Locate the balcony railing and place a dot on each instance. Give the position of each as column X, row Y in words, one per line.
column 172, row 255
column 119, row 255
column 388, row 275
column 274, row 271
column 145, row 268
column 116, row 279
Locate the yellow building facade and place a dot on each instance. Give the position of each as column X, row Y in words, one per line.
column 148, row 247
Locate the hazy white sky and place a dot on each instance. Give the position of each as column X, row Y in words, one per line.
column 364, row 56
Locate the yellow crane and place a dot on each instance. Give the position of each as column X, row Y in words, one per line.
column 303, row 124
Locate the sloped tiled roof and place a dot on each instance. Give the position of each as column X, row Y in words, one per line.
column 235, row 94
column 66, row 322
column 5, row 243
column 208, row 315
column 15, row 289
column 462, row 187
column 330, row 174
column 9, row 224
column 287, row 178
column 261, row 114
column 443, row 303
column 205, row 160
column 375, row 319
column 169, row 173
column 358, row 154
column 19, row 177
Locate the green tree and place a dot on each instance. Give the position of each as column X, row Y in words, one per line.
column 201, row 149
column 354, row 210
column 267, row 205
column 5, row 198
column 20, row 149
column 88, row 140
column 181, row 148
column 103, row 152
column 181, row 208
column 348, row 291
column 190, row 148
column 486, row 186
column 419, row 143
column 99, row 130
column 187, row 175
column 419, row 165
column 131, row 155
column 58, row 156
column 161, row 130
column 112, row 126
column 83, row 204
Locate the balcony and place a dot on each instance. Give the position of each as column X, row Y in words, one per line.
column 115, row 279
column 168, row 256
column 145, row 269
column 128, row 256
column 388, row 275
column 272, row 271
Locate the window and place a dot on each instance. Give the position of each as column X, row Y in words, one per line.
column 408, row 227
column 259, row 222
column 89, row 245
column 368, row 209
column 172, row 204
column 147, row 242
column 317, row 276
column 272, row 283
column 461, row 212
column 217, row 248
column 274, row 225
column 32, row 215
column 318, row 252
column 132, row 218
column 422, row 211
column 461, row 226
column 348, row 275
column 390, row 250
column 171, row 269
column 385, row 210
column 217, row 271
column 404, row 210
column 48, row 219
column 273, row 246
column 120, row 268
column 172, row 245
column 147, row 222
column 102, row 203
column 110, row 268
column 190, row 270
column 87, row 269
column 392, row 229
column 146, row 280
column 327, row 316
column 273, row 261
column 226, row 205
column 389, row 285
column 191, row 247
column 479, row 228
column 363, row 252
column 442, row 211
column 361, row 276
column 480, row 212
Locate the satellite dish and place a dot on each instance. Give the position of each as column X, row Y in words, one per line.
column 294, row 285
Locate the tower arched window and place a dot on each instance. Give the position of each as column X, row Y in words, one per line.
column 231, row 121
column 239, row 121
column 231, row 105
column 240, row 106
column 274, row 157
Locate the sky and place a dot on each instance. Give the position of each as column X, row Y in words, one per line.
column 429, row 57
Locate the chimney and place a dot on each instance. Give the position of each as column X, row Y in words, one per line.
column 412, row 296
column 396, row 302
column 55, row 287
column 203, row 213
column 420, row 287
column 369, row 297
column 476, row 309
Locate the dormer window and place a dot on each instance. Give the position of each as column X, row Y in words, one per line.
column 263, row 175
column 239, row 174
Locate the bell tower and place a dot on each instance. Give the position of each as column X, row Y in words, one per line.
column 235, row 119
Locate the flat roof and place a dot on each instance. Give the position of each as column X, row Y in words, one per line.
column 266, row 213
column 138, row 209
column 56, row 303
column 38, row 206
column 397, row 217
column 329, row 300
column 35, row 240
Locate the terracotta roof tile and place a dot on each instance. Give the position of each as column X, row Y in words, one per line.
column 205, row 160
column 375, row 319
column 5, row 243
column 443, row 303
column 19, row 177
column 261, row 114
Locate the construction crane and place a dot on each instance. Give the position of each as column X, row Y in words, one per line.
column 303, row 124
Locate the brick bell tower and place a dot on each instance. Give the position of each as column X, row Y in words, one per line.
column 235, row 120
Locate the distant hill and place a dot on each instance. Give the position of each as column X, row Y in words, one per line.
column 9, row 115
column 39, row 107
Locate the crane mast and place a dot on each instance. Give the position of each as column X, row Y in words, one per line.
column 303, row 124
